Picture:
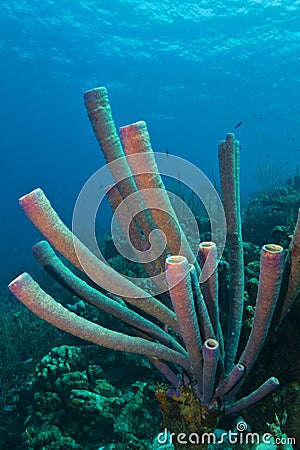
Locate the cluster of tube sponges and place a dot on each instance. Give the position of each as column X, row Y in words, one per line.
column 196, row 351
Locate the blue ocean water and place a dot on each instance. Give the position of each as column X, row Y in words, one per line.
column 192, row 70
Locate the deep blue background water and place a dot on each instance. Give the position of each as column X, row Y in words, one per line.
column 192, row 70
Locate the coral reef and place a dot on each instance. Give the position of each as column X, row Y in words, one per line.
column 24, row 339
column 174, row 316
column 272, row 215
column 69, row 389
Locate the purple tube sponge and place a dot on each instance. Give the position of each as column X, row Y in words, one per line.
column 141, row 204
column 265, row 389
column 210, row 364
column 271, row 268
column 181, row 293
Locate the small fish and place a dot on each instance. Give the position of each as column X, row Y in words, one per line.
column 29, row 360
column 238, row 125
